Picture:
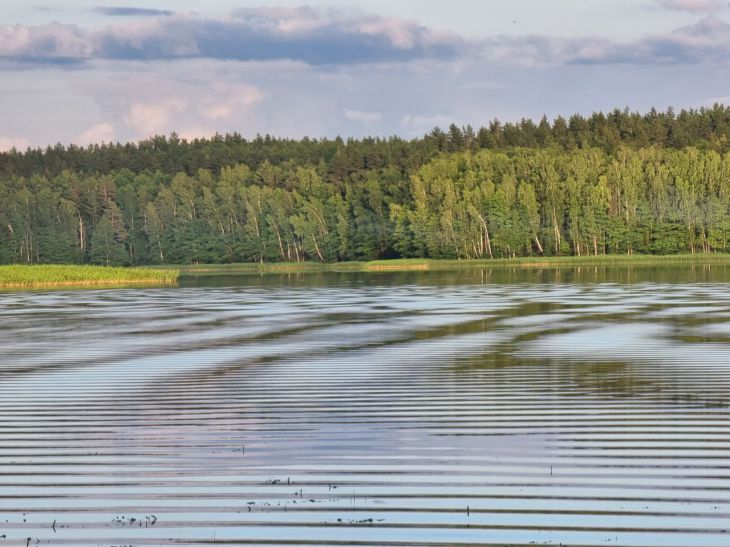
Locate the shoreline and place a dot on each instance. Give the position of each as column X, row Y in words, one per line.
column 18, row 277
column 427, row 265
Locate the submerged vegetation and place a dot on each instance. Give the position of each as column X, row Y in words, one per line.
column 611, row 184
column 22, row 276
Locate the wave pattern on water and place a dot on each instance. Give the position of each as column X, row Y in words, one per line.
column 573, row 414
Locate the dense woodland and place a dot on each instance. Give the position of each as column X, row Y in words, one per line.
column 610, row 183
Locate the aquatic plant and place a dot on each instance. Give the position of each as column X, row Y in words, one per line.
column 18, row 276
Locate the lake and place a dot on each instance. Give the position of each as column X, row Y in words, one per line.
column 576, row 407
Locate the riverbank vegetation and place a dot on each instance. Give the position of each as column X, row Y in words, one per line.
column 616, row 184
column 39, row 276
column 418, row 264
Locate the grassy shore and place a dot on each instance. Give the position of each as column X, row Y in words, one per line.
column 417, row 264
column 49, row 276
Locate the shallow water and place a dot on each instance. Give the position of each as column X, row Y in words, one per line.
column 582, row 407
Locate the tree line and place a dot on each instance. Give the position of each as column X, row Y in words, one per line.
column 704, row 128
column 482, row 204
column 453, row 194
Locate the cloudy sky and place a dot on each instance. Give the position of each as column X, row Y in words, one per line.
column 87, row 71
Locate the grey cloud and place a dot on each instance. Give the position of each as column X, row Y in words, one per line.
column 55, row 43
column 693, row 6
column 539, row 50
column 312, row 36
column 706, row 41
column 341, row 37
column 128, row 11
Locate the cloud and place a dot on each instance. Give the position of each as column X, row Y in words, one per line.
column 295, row 100
column 314, row 36
column 362, row 116
column 707, row 41
column 126, row 11
column 8, row 143
column 419, row 124
column 319, row 72
column 339, row 37
column 487, row 85
column 159, row 100
column 693, row 6
column 223, row 102
column 55, row 42
column 531, row 49
column 153, row 118
column 102, row 132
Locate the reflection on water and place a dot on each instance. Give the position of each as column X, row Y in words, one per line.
column 582, row 407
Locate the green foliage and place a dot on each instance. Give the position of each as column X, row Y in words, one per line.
column 109, row 238
column 619, row 183
column 705, row 129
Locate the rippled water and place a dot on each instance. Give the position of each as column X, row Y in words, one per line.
column 583, row 407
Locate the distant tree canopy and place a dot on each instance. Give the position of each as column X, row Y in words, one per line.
column 615, row 183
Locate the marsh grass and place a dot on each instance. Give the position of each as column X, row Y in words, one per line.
column 48, row 276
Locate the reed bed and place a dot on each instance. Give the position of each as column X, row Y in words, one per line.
column 48, row 276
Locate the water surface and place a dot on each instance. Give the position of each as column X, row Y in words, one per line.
column 574, row 407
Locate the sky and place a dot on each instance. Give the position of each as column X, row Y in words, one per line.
column 88, row 71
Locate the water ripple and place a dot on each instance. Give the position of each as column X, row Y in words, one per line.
column 367, row 414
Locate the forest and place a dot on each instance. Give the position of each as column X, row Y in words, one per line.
column 616, row 183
